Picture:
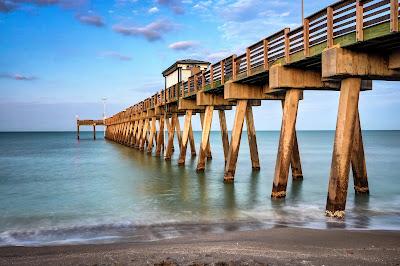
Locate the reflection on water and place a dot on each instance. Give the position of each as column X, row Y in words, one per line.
column 54, row 188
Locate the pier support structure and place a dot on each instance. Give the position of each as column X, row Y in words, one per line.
column 350, row 67
column 245, row 96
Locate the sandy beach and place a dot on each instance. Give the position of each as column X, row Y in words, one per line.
column 278, row 246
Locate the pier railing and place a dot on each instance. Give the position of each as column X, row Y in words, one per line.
column 343, row 23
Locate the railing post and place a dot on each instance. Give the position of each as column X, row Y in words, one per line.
column 394, row 15
column 329, row 27
column 212, row 76
column 248, row 61
column 287, row 45
column 234, row 67
column 265, row 44
column 359, row 21
column 203, row 80
column 306, row 37
column 195, row 83
column 188, row 84
column 222, row 72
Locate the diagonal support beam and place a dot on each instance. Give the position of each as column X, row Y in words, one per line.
column 230, row 167
column 342, row 150
column 160, row 136
column 358, row 163
column 171, row 133
column 185, row 137
column 286, row 141
column 224, row 133
column 205, row 138
column 251, row 135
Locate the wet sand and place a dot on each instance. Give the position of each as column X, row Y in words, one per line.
column 278, row 246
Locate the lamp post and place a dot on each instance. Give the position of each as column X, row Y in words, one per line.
column 302, row 12
column 104, row 99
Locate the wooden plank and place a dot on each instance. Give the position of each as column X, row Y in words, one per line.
column 265, row 51
column 329, row 27
column 359, row 21
column 286, row 141
column 251, row 135
column 344, row 136
column 394, row 15
column 205, row 138
column 234, row 144
column 306, row 37
column 287, row 46
column 248, row 61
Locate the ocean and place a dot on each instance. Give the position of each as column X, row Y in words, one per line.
column 56, row 190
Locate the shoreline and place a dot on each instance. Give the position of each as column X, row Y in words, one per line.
column 276, row 246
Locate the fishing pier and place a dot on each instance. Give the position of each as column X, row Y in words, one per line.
column 342, row 48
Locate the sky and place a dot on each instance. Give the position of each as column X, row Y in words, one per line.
column 59, row 58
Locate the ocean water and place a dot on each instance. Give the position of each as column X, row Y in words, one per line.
column 55, row 189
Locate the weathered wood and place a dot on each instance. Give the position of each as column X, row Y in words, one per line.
column 394, row 15
column 178, row 131
column 201, row 163
column 152, row 134
column 94, row 131
column 306, row 37
column 251, row 135
column 295, row 162
column 359, row 21
column 134, row 132
column 191, row 141
column 208, row 151
column 286, row 141
column 358, row 161
column 342, row 63
column 344, row 136
column 207, row 99
column 171, row 133
column 185, row 137
column 224, row 133
column 160, row 136
column 234, row 91
column 329, row 27
column 230, row 167
column 144, row 134
column 139, row 134
column 77, row 131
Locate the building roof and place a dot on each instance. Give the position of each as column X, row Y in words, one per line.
column 183, row 61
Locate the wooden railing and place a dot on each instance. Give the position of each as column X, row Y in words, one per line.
column 345, row 22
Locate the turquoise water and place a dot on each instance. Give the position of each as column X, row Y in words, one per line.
column 55, row 189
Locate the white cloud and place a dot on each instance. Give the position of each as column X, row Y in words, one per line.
column 153, row 10
column 182, row 45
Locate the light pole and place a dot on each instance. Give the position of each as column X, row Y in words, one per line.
column 302, row 12
column 104, row 99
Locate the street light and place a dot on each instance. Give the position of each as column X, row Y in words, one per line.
column 302, row 12
column 104, row 107
column 104, row 99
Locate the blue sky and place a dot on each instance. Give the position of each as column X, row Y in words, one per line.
column 58, row 58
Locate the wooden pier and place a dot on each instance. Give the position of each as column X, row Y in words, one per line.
column 342, row 47
column 88, row 122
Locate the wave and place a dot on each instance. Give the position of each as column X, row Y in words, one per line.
column 117, row 232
